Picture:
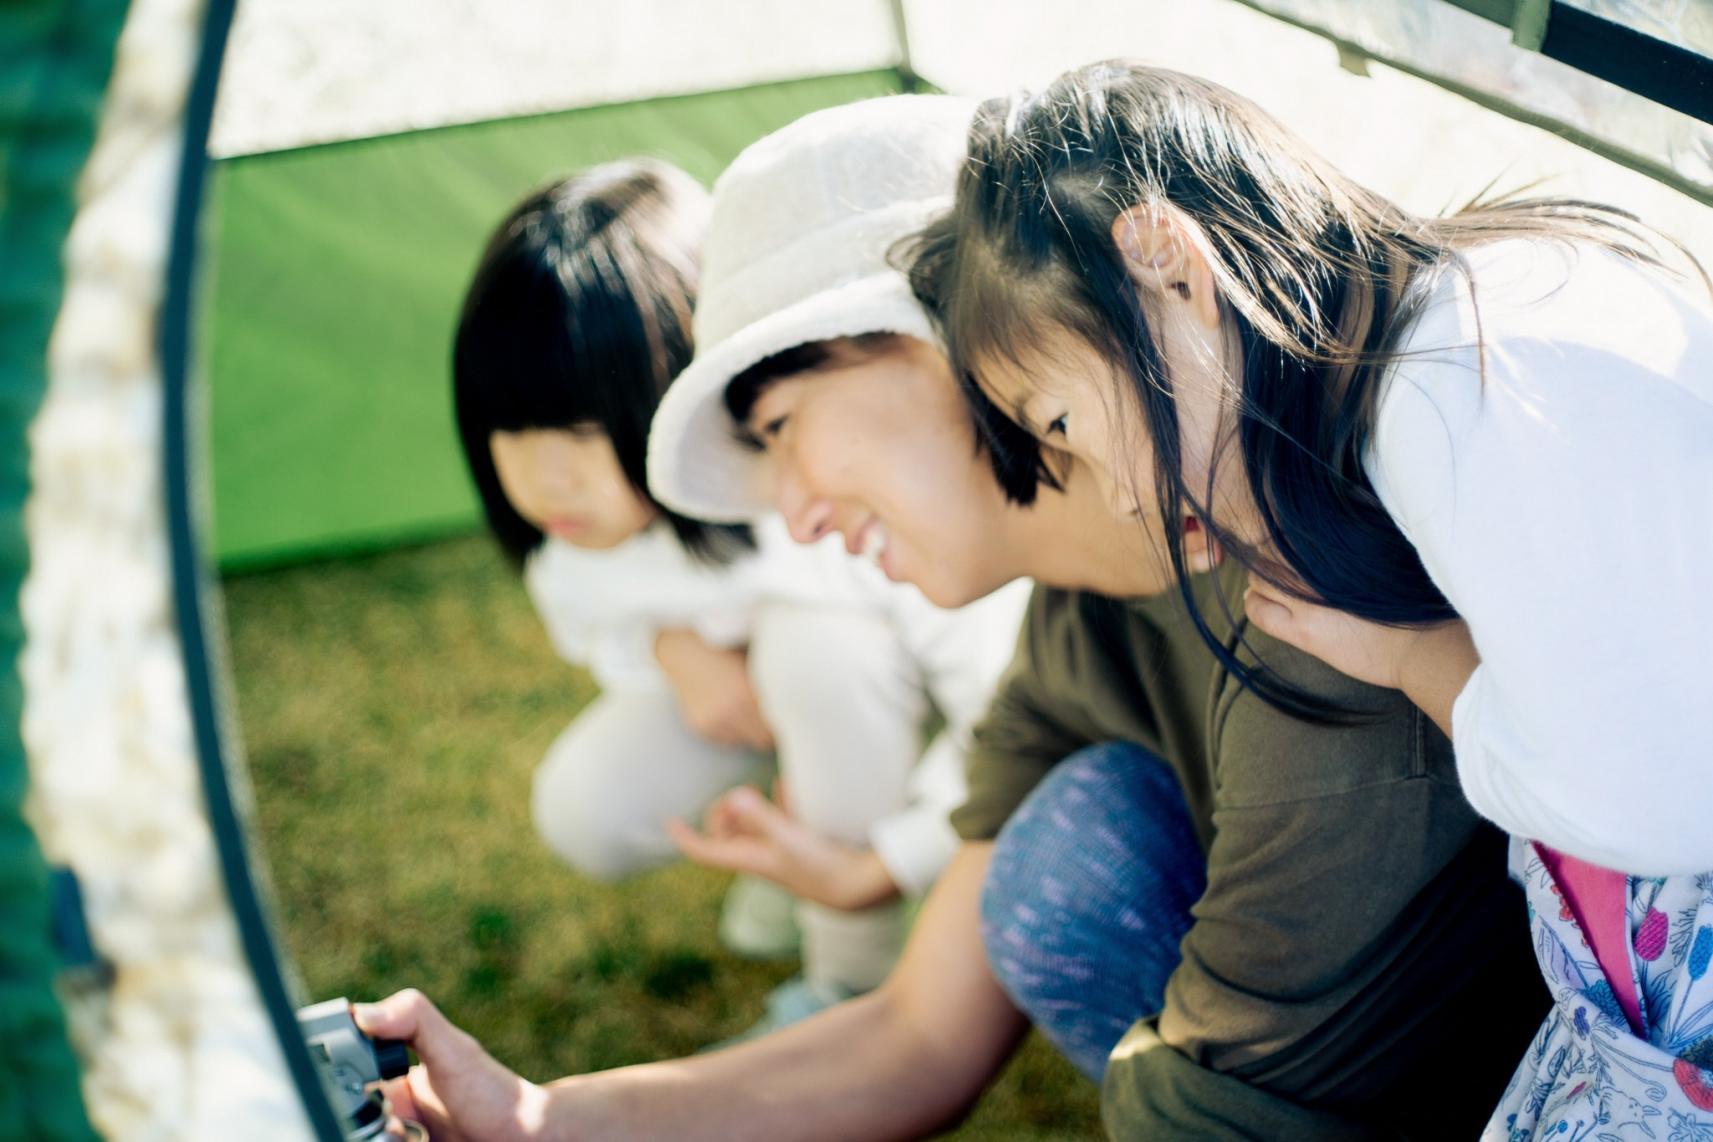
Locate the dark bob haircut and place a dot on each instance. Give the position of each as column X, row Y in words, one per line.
column 579, row 316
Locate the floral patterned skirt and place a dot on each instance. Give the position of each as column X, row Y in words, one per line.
column 1588, row 1074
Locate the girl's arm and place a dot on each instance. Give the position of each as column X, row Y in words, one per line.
column 1431, row 665
column 713, row 689
column 1556, row 488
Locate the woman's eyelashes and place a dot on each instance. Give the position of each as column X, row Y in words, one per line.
column 763, row 425
column 760, row 437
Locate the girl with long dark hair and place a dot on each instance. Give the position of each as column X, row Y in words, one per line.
column 1168, row 877
column 1470, row 458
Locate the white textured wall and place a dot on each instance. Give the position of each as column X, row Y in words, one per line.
column 181, row 1049
column 307, row 71
column 311, row 71
column 1424, row 146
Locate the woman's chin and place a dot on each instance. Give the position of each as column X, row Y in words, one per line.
column 950, row 592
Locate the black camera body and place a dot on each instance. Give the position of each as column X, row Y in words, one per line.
column 349, row 1061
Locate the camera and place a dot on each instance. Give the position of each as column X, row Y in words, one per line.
column 348, row 1062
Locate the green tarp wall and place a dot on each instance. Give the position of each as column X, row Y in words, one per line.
column 55, row 61
column 337, row 275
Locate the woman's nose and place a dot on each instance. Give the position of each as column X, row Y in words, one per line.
column 808, row 517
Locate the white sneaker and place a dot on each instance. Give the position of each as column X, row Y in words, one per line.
column 791, row 1002
column 759, row 920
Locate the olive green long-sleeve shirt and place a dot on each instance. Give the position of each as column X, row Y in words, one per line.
column 1359, row 966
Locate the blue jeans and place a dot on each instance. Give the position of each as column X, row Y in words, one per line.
column 1089, row 896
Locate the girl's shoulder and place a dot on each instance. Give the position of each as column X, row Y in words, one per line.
column 1563, row 328
column 1557, row 292
column 653, row 547
column 1543, row 350
column 652, row 563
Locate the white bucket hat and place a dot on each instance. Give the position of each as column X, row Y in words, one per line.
column 797, row 248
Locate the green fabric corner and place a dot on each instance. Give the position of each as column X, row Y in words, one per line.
column 337, row 275
column 55, row 61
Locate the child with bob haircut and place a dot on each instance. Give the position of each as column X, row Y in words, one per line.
column 710, row 642
column 1469, row 458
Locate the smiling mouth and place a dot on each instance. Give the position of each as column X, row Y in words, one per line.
column 1193, row 526
column 869, row 541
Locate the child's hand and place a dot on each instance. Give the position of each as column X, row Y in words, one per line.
column 1430, row 665
column 713, row 690
column 1366, row 651
column 745, row 832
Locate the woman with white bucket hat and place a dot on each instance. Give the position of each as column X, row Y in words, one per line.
column 1078, row 915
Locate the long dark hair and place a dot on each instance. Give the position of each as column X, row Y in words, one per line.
column 1318, row 277
column 579, row 314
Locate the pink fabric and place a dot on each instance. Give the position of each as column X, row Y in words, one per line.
column 1598, row 898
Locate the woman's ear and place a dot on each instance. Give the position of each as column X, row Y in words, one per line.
column 1165, row 255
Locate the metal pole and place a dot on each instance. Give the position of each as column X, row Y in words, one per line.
column 901, row 32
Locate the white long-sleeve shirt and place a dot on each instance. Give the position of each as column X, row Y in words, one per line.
column 602, row 610
column 958, row 655
column 1559, row 489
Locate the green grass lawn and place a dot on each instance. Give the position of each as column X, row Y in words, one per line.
column 392, row 708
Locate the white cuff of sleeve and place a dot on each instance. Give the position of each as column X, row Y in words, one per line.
column 623, row 659
column 915, row 846
column 725, row 629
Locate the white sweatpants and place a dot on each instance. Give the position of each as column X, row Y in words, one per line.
column 615, row 774
column 847, row 705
